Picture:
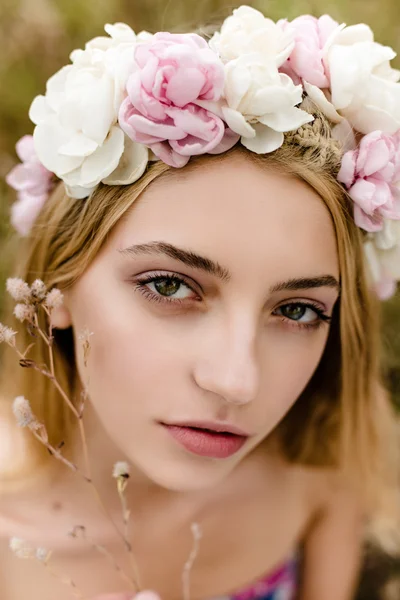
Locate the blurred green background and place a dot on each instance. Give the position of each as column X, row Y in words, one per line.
column 37, row 37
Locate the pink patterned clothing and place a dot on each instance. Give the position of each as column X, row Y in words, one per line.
column 279, row 585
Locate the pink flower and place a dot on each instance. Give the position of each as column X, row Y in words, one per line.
column 371, row 173
column 307, row 58
column 174, row 73
column 33, row 183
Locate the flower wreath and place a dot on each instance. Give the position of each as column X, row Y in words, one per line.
column 127, row 99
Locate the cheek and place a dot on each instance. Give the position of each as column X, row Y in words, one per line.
column 128, row 346
column 290, row 361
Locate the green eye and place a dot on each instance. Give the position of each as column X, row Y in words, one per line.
column 294, row 311
column 167, row 286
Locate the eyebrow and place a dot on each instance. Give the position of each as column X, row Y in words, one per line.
column 201, row 263
column 187, row 257
column 306, row 283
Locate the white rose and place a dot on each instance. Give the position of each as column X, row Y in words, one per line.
column 117, row 53
column 119, row 33
column 382, row 252
column 389, row 236
column 76, row 135
column 364, row 88
column 247, row 31
column 261, row 103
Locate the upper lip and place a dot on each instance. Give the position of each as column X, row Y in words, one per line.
column 211, row 426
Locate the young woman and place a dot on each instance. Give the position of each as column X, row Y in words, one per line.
column 231, row 353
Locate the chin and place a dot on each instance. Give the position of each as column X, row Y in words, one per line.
column 188, row 475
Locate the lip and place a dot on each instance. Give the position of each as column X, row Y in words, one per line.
column 211, row 426
column 208, row 439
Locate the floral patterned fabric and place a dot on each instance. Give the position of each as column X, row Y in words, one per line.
column 279, row 585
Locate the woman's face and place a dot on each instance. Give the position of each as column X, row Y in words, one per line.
column 209, row 307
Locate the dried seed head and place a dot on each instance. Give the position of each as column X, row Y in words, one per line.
column 54, row 299
column 78, row 530
column 7, row 334
column 38, row 289
column 24, row 312
column 20, row 548
column 42, row 554
column 84, row 338
column 18, row 289
column 121, row 469
column 23, row 412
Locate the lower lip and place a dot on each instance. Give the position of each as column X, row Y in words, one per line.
column 206, row 443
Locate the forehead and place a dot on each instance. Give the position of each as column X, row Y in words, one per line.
column 238, row 213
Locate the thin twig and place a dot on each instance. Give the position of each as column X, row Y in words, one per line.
column 80, row 530
column 187, row 569
column 56, row 453
column 50, row 374
column 66, row 581
column 122, row 483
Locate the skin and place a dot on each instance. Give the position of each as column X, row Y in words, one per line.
column 223, row 354
column 235, row 350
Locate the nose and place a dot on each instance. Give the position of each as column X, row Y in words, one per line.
column 228, row 364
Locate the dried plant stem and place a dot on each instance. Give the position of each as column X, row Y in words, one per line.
column 51, row 377
column 187, row 569
column 65, row 581
column 121, row 486
column 87, row 474
column 39, row 433
column 103, row 550
column 56, row 453
column 42, row 438
column 82, row 434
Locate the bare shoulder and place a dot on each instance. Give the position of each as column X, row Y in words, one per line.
column 321, row 488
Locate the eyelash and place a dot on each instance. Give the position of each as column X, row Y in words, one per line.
column 140, row 285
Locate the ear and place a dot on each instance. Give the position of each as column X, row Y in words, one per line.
column 61, row 317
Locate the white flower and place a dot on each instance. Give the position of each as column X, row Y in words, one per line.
column 42, row 554
column 18, row 289
column 364, row 88
column 38, row 289
column 7, row 334
column 382, row 252
column 77, row 136
column 261, row 103
column 389, row 236
column 22, row 411
column 54, row 299
column 20, row 548
column 119, row 33
column 247, row 31
column 121, row 469
column 24, row 312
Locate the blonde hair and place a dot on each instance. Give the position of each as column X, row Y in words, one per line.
column 342, row 419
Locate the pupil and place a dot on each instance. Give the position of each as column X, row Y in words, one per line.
column 167, row 286
column 294, row 311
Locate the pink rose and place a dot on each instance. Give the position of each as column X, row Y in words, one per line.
column 33, row 183
column 371, row 173
column 307, row 58
column 175, row 72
